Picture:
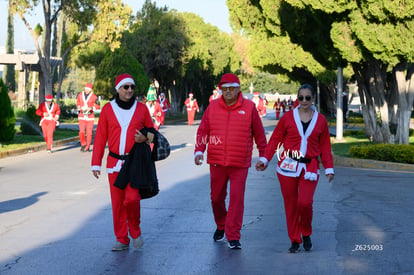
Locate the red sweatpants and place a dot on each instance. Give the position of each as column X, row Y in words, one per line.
column 230, row 220
column 190, row 116
column 163, row 117
column 88, row 126
column 126, row 211
column 277, row 115
column 298, row 198
column 48, row 127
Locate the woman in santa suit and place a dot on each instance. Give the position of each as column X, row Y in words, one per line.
column 118, row 126
column 49, row 113
column 192, row 107
column 301, row 137
column 165, row 105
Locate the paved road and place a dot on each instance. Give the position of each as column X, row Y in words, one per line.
column 55, row 218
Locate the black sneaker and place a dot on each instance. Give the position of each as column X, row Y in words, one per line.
column 218, row 235
column 294, row 248
column 307, row 243
column 234, row 244
column 82, row 149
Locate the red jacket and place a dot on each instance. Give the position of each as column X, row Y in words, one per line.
column 53, row 112
column 117, row 128
column 229, row 132
column 313, row 144
column 85, row 102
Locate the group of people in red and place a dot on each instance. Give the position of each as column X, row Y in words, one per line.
column 300, row 140
column 281, row 107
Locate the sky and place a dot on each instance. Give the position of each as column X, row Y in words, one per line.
column 214, row 12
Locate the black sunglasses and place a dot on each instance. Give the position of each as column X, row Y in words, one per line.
column 308, row 98
column 126, row 87
column 228, row 88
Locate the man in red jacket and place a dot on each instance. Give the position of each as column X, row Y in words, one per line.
column 229, row 124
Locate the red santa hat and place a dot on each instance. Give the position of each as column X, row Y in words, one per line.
column 122, row 80
column 49, row 97
column 229, row 79
column 88, row 86
column 256, row 93
column 190, row 94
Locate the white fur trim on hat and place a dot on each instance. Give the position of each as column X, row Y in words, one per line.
column 230, row 85
column 124, row 81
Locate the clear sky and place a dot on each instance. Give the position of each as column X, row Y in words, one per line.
column 214, row 12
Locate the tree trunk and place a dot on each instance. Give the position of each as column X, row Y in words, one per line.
column 403, row 75
column 371, row 78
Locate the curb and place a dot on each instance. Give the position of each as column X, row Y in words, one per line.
column 36, row 147
column 372, row 164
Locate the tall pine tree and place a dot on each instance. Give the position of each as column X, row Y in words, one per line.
column 7, row 118
column 9, row 73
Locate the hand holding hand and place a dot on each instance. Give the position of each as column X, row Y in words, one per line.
column 260, row 166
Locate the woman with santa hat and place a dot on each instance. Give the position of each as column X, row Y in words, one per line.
column 165, row 105
column 192, row 106
column 300, row 138
column 49, row 113
column 118, row 127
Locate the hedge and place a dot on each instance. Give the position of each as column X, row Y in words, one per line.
column 401, row 153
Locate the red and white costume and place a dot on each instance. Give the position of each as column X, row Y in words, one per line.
column 290, row 104
column 165, row 105
column 214, row 96
column 192, row 107
column 87, row 105
column 117, row 128
column 259, row 103
column 278, row 108
column 155, row 112
column 49, row 114
column 298, row 179
column 227, row 129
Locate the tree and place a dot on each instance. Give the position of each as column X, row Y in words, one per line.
column 312, row 37
column 9, row 73
column 106, row 18
column 7, row 119
column 156, row 38
column 115, row 63
column 209, row 54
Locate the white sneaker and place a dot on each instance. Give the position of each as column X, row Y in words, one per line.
column 138, row 242
column 120, row 246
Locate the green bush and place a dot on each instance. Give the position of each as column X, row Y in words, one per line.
column 7, row 118
column 30, row 122
column 401, row 153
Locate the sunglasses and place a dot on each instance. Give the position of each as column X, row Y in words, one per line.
column 126, row 87
column 228, row 89
column 308, row 98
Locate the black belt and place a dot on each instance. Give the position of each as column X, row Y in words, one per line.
column 300, row 159
column 303, row 160
column 121, row 157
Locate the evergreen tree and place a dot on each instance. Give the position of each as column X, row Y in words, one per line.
column 7, row 119
column 9, row 73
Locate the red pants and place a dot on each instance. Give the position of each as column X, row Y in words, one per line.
column 48, row 127
column 277, row 115
column 162, row 118
column 125, row 211
column 230, row 220
column 88, row 126
column 190, row 116
column 298, row 198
